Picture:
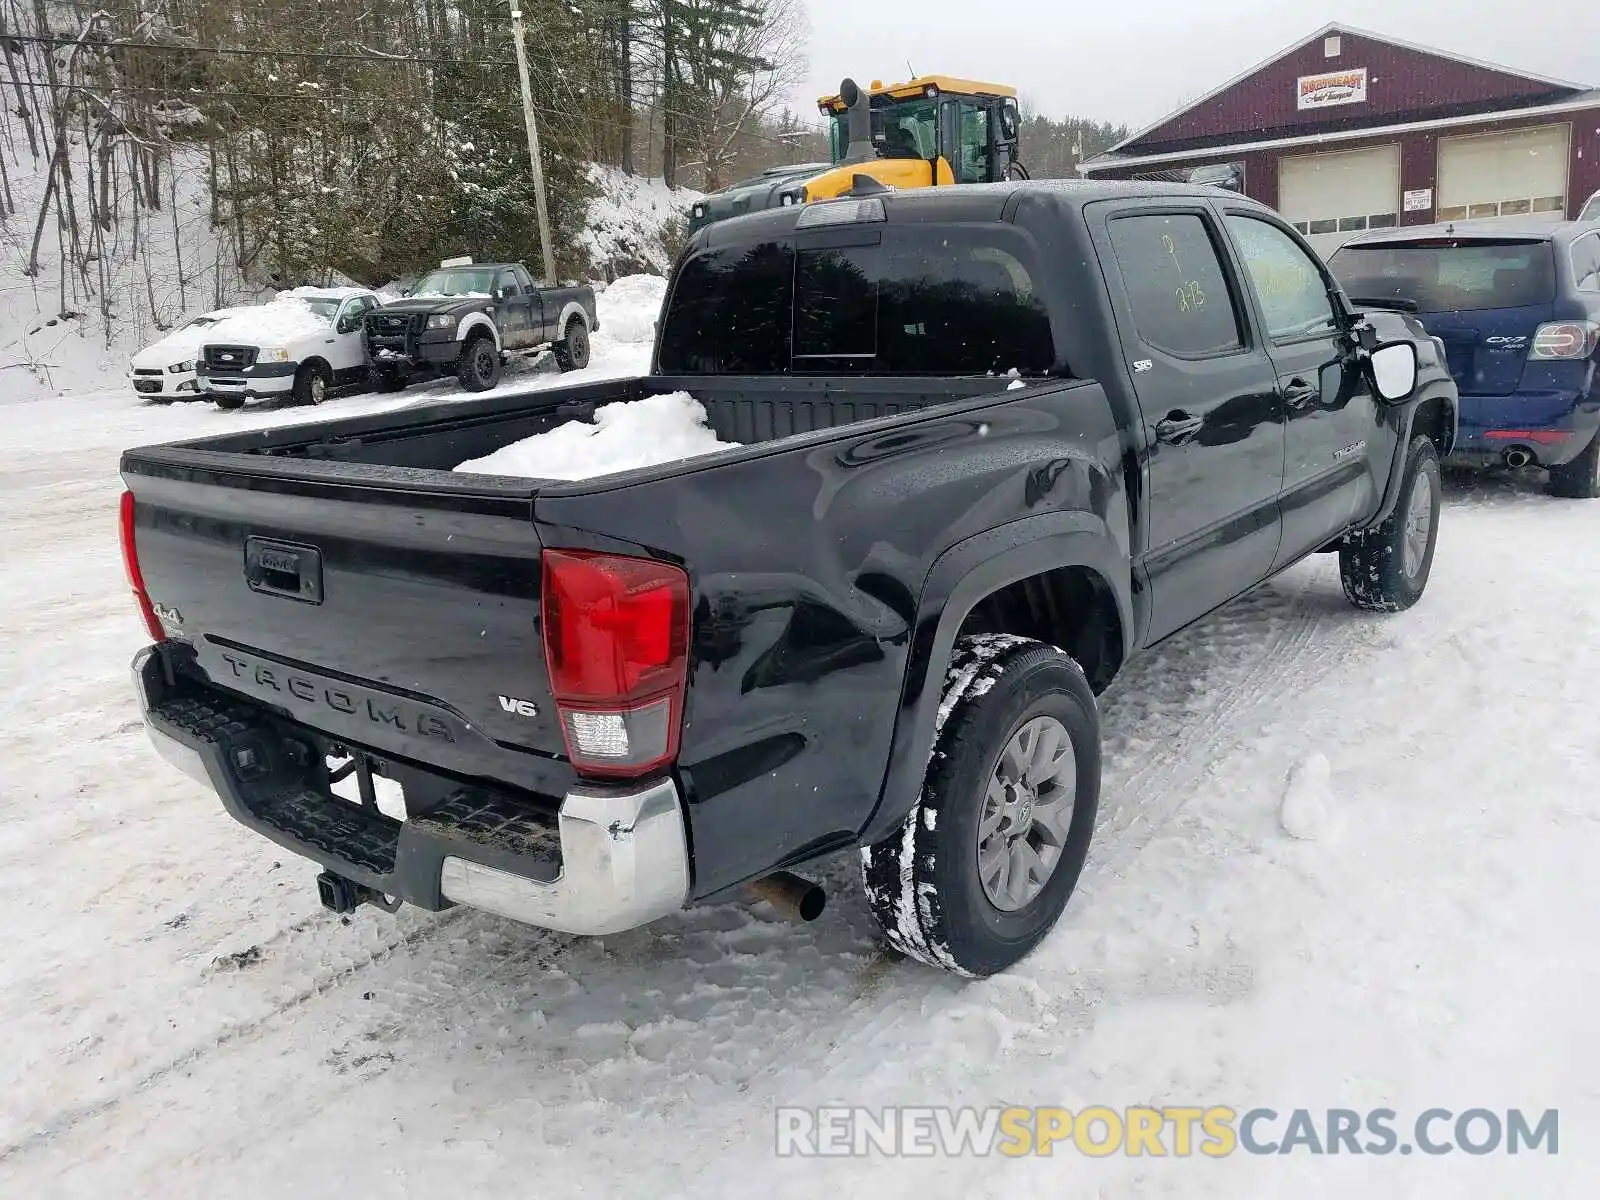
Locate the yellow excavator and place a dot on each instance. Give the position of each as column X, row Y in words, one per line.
column 930, row 131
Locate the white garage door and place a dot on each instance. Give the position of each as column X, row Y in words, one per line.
column 1518, row 174
column 1328, row 197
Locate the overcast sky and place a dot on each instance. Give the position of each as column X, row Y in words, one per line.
column 1134, row 61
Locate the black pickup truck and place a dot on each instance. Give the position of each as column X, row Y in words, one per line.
column 993, row 441
column 466, row 317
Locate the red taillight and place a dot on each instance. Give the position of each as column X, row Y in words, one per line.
column 616, row 639
column 1565, row 339
column 130, row 563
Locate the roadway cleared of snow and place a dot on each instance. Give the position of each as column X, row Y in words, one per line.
column 1343, row 861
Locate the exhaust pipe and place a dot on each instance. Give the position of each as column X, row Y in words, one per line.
column 1518, row 457
column 858, row 105
column 792, row 896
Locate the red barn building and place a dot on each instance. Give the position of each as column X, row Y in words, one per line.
column 1347, row 131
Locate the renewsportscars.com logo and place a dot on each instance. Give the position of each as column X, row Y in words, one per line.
column 1173, row 1131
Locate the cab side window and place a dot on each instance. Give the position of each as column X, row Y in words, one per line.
column 1290, row 286
column 506, row 285
column 1176, row 286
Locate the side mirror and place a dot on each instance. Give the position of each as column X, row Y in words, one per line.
column 1394, row 371
column 1010, row 120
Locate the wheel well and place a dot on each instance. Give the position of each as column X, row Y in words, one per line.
column 316, row 363
column 1072, row 608
column 1433, row 419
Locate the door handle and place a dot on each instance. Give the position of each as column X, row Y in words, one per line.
column 1177, row 427
column 1297, row 393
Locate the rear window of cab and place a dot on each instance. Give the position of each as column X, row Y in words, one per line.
column 895, row 300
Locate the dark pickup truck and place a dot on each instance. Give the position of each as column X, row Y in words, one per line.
column 994, row 441
column 466, row 317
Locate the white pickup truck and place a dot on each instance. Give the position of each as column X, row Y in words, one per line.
column 302, row 344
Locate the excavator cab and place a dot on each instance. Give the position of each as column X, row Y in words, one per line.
column 927, row 132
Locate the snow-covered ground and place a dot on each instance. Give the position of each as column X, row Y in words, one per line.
column 1343, row 861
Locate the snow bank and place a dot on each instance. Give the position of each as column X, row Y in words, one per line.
column 624, row 437
column 629, row 221
column 630, row 306
column 181, row 267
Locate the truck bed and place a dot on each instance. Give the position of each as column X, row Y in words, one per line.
column 418, row 448
column 342, row 575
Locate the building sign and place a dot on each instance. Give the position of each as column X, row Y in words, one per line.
column 1420, row 200
column 1334, row 87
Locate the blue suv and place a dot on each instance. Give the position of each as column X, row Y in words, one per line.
column 1516, row 307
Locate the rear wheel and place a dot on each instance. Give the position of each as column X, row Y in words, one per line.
column 311, row 383
column 478, row 368
column 572, row 352
column 1580, row 478
column 1386, row 569
column 982, row 867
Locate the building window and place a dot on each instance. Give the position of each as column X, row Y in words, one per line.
column 1331, row 45
column 1521, row 206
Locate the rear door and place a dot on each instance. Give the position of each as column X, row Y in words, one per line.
column 1328, row 405
column 1212, row 420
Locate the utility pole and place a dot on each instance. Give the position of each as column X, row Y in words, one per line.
column 518, row 36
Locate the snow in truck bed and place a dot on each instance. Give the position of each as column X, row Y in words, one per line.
column 624, row 437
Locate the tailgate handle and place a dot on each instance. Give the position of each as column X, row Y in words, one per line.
column 283, row 569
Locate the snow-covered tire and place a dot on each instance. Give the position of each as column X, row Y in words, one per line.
column 1580, row 478
column 386, row 379
column 228, row 400
column 312, row 383
column 478, row 368
column 924, row 882
column 1386, row 568
column 572, row 352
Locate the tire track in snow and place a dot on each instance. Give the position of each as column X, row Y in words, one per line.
column 67, row 1120
column 1318, row 634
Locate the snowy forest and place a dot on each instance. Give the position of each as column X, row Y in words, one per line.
column 364, row 139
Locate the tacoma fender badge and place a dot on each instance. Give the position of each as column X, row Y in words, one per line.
column 522, row 708
column 1352, row 448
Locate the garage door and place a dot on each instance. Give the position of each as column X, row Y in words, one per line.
column 1328, row 197
column 1518, row 174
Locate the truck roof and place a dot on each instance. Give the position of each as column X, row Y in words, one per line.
column 966, row 203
